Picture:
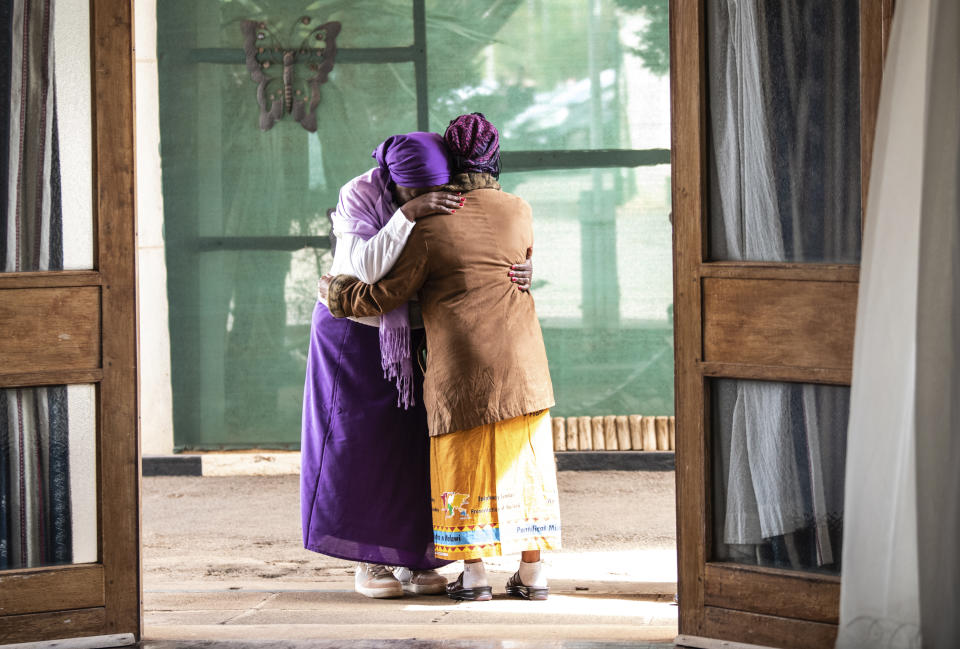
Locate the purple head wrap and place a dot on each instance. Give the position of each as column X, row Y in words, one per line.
column 474, row 144
column 414, row 159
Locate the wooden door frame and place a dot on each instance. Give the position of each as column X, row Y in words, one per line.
column 747, row 604
column 102, row 598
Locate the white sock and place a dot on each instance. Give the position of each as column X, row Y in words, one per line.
column 474, row 575
column 533, row 575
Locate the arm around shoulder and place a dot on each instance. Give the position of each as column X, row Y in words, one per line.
column 373, row 258
column 348, row 296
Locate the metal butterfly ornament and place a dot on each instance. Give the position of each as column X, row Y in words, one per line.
column 316, row 53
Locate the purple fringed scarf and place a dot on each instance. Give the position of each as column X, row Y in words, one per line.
column 365, row 206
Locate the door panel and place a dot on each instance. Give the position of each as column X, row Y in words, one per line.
column 878, row 15
column 68, row 360
column 49, row 328
column 76, row 334
column 783, row 125
column 767, row 630
column 52, row 590
column 779, row 592
column 748, row 317
column 115, row 249
column 49, row 512
column 75, row 624
column 779, row 322
column 778, row 463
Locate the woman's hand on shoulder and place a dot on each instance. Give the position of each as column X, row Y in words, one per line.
column 432, row 203
column 522, row 274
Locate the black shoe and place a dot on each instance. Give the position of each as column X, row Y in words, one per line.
column 516, row 588
column 455, row 590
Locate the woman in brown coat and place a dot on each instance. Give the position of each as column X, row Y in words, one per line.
column 487, row 386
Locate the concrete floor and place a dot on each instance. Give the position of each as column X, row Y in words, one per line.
column 401, row 643
column 408, row 643
column 223, row 565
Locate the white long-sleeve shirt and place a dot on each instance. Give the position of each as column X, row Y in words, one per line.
column 370, row 260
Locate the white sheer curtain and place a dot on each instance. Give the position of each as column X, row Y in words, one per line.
column 780, row 446
column 901, row 578
column 761, row 490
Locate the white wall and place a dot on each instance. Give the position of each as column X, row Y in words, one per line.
column 156, row 402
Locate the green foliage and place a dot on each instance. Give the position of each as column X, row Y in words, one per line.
column 654, row 38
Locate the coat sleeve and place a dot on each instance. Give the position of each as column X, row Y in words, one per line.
column 349, row 297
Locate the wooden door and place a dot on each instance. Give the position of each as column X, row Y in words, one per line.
column 68, row 330
column 785, row 323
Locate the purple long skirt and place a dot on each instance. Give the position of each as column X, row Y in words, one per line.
column 365, row 475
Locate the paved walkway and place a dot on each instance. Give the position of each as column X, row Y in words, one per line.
column 223, row 564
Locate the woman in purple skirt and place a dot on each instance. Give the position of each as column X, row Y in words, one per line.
column 365, row 482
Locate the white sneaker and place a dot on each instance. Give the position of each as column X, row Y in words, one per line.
column 374, row 580
column 421, row 582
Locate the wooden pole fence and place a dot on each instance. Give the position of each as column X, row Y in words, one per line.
column 614, row 433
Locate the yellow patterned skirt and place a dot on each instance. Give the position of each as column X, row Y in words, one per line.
column 494, row 489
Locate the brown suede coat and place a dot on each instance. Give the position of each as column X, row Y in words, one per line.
column 486, row 361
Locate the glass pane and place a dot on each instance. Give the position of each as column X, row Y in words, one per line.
column 553, row 74
column 46, row 211
column 779, row 452
column 245, row 209
column 245, row 212
column 48, row 464
column 242, row 324
column 603, row 286
column 784, row 127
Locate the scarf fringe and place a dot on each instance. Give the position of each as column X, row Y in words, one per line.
column 396, row 362
column 405, row 398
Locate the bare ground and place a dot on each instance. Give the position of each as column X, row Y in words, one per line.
column 245, row 531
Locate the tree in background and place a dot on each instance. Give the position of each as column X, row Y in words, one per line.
column 654, row 38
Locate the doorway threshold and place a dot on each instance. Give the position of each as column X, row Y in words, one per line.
column 342, row 615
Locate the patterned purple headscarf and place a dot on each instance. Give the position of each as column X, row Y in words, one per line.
column 415, row 159
column 474, row 144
